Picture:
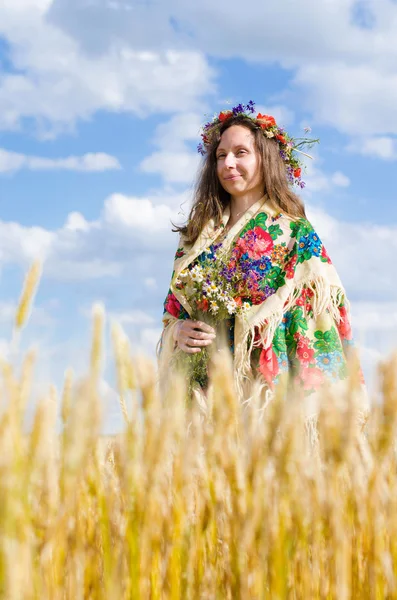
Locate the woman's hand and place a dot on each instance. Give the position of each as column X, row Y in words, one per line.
column 189, row 334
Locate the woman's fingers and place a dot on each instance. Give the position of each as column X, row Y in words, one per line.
column 203, row 326
column 190, row 339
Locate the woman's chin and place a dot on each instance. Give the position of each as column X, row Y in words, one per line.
column 233, row 184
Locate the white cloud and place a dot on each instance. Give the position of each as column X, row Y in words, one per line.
column 62, row 269
column 340, row 179
column 12, row 161
column 355, row 99
column 345, row 67
column 284, row 116
column 136, row 213
column 174, row 167
column 182, row 127
column 318, row 180
column 382, row 147
column 77, row 222
column 376, row 316
column 174, row 161
column 362, row 252
column 19, row 244
column 132, row 317
column 56, row 82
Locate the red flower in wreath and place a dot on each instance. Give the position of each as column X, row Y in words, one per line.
column 225, row 115
column 281, row 138
column 265, row 121
column 297, row 172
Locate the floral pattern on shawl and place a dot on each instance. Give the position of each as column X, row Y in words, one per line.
column 312, row 348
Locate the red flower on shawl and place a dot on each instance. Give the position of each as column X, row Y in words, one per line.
column 290, row 267
column 312, row 377
column 265, row 121
column 344, row 327
column 225, row 115
column 324, row 254
column 268, row 365
column 304, row 353
column 255, row 245
column 173, row 306
column 303, row 298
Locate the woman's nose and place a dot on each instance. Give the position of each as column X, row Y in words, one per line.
column 230, row 159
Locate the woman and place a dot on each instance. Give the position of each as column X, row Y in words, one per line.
column 288, row 311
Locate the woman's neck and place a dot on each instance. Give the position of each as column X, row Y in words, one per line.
column 239, row 205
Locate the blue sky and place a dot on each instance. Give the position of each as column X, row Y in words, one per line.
column 100, row 108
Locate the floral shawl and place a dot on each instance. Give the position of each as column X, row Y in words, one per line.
column 303, row 325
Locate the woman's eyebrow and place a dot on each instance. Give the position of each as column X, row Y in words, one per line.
column 235, row 147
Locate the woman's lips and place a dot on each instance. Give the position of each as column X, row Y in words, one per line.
column 231, row 178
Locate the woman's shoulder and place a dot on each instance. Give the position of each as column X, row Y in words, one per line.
column 290, row 225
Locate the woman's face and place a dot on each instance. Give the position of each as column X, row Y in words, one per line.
column 238, row 162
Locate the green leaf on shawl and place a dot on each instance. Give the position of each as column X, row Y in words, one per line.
column 298, row 321
column 274, row 279
column 291, row 345
column 249, row 225
column 327, row 341
column 300, row 228
column 279, row 343
column 275, row 231
column 258, row 221
column 302, row 256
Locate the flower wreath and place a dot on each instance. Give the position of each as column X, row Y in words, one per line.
column 288, row 145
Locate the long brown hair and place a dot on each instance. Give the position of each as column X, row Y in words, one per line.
column 210, row 199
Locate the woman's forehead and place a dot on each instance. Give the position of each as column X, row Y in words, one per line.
column 235, row 136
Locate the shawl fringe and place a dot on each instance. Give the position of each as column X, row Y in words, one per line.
column 325, row 296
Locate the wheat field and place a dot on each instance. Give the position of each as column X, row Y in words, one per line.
column 188, row 503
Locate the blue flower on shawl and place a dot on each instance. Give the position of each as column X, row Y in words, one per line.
column 310, row 243
column 262, row 266
column 282, row 360
column 286, row 322
column 331, row 362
